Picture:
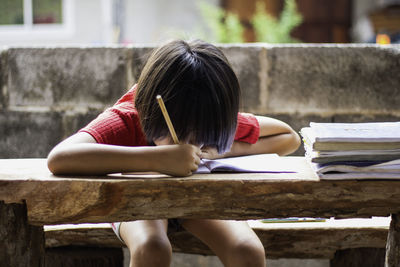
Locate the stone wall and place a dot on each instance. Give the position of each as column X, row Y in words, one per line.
column 49, row 93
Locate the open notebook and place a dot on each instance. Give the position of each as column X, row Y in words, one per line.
column 262, row 163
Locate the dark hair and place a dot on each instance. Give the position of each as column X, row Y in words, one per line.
column 200, row 90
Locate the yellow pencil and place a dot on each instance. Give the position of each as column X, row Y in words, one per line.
column 167, row 119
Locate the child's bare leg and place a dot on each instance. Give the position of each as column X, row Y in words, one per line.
column 234, row 242
column 147, row 242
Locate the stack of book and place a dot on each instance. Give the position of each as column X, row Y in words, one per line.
column 353, row 150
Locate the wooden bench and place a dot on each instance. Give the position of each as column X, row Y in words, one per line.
column 303, row 240
column 32, row 197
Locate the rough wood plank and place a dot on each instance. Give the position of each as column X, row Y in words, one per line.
column 295, row 243
column 98, row 235
column 393, row 243
column 57, row 200
column 282, row 242
column 21, row 244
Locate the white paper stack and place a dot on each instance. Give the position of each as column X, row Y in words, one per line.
column 353, row 150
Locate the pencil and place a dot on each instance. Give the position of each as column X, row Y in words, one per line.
column 167, row 119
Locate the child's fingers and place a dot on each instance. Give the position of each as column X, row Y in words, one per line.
column 197, row 155
column 209, row 153
column 198, row 151
column 206, row 154
column 183, row 160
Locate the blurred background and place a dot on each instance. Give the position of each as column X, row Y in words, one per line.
column 103, row 22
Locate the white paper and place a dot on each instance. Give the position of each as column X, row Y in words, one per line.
column 262, row 163
column 357, row 132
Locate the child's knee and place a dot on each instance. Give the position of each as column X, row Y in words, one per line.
column 152, row 251
column 248, row 253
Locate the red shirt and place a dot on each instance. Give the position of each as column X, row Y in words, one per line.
column 120, row 125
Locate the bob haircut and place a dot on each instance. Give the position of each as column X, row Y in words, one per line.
column 200, row 91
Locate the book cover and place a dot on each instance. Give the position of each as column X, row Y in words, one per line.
column 350, row 155
column 327, row 140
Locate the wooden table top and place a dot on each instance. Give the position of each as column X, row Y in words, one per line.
column 65, row 199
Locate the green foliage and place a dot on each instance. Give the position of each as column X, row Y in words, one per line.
column 224, row 26
column 271, row 30
column 11, row 12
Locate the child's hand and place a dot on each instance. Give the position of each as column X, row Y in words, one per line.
column 210, row 153
column 179, row 160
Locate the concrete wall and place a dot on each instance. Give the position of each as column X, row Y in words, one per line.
column 49, row 93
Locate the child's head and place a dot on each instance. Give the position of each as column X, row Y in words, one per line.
column 200, row 90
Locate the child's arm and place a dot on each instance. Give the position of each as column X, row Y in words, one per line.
column 275, row 137
column 80, row 154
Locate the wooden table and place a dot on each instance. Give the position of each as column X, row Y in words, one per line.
column 33, row 197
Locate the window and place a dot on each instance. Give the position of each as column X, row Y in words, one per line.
column 35, row 19
column 46, row 11
column 11, row 12
column 17, row 12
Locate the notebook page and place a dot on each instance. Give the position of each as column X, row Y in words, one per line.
column 262, row 163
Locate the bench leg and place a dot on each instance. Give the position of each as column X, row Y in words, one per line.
column 21, row 243
column 393, row 243
column 359, row 257
column 84, row 257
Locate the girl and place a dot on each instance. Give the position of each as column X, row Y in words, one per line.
column 201, row 93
